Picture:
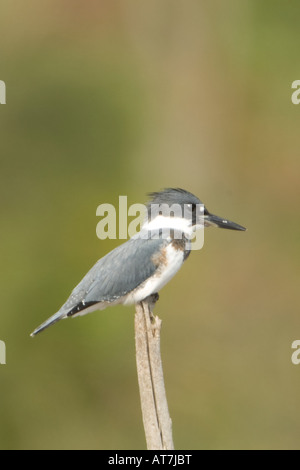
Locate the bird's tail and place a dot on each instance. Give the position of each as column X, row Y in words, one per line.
column 55, row 318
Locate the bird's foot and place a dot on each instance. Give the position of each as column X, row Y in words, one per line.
column 151, row 301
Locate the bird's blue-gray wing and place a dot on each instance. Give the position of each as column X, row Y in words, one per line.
column 117, row 273
column 112, row 277
column 121, row 270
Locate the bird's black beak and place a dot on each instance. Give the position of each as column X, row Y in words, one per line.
column 214, row 220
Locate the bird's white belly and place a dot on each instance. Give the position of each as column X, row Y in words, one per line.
column 173, row 262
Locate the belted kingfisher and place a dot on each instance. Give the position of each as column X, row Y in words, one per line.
column 146, row 262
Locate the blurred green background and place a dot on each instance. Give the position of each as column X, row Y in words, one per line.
column 114, row 97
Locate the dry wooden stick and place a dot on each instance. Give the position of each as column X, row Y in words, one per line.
column 156, row 417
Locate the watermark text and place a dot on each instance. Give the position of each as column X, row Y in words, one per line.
column 296, row 94
column 296, row 354
column 2, row 92
column 152, row 221
column 2, row 352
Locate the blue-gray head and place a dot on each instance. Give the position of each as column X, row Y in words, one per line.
column 179, row 209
